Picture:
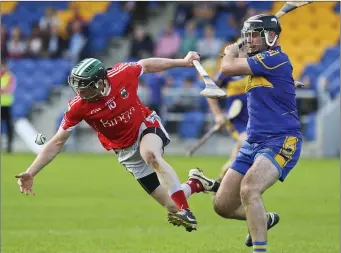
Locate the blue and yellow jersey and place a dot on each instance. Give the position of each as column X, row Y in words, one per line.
column 271, row 97
column 235, row 90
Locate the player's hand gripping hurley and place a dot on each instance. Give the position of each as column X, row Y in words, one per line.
column 235, row 109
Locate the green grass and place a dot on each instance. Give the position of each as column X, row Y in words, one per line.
column 90, row 204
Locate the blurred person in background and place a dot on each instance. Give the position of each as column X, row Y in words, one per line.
column 4, row 38
column 16, row 45
column 77, row 17
column 209, row 46
column 8, row 84
column 203, row 13
column 49, row 19
column 168, row 44
column 54, row 44
column 183, row 14
column 189, row 40
column 188, row 98
column 76, row 43
column 35, row 43
column 142, row 45
column 138, row 10
column 237, row 12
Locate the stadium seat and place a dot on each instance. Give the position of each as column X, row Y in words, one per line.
column 305, row 41
column 310, row 130
column 7, row 7
column 261, row 5
column 337, row 8
column 330, row 55
column 192, row 125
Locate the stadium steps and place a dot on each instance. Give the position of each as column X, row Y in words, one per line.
column 119, row 47
column 45, row 119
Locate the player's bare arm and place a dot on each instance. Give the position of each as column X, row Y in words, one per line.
column 231, row 65
column 49, row 152
column 152, row 65
column 216, row 110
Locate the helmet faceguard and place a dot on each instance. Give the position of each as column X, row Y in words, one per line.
column 260, row 26
column 87, row 79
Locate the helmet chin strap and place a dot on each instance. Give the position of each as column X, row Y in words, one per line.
column 266, row 35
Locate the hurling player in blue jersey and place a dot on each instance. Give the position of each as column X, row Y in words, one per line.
column 274, row 140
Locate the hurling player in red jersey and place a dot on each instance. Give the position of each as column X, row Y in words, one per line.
column 107, row 100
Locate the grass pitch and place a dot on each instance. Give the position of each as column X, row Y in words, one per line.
column 90, row 204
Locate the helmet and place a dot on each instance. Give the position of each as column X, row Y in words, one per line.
column 86, row 78
column 263, row 24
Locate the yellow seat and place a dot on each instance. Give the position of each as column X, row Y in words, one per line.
column 307, row 31
column 64, row 17
column 89, row 9
column 7, row 7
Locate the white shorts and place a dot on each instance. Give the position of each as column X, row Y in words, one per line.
column 130, row 157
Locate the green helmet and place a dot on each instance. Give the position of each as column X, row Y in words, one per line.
column 86, row 78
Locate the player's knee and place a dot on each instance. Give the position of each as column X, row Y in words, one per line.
column 220, row 209
column 249, row 193
column 151, row 158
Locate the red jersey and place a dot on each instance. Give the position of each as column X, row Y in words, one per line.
column 116, row 117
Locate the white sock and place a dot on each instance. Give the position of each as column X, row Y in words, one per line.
column 187, row 190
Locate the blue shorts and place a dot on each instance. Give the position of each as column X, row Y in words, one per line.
column 283, row 151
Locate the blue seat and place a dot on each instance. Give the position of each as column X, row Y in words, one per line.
column 260, row 5
column 310, row 130
column 98, row 44
column 312, row 71
column 40, row 95
column 130, row 59
column 330, row 55
column 337, row 8
column 155, row 83
column 20, row 110
column 189, row 73
column 192, row 125
column 114, row 7
column 174, row 72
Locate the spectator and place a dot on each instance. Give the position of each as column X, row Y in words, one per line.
column 77, row 17
column 189, row 41
column 16, row 46
column 169, row 43
column 203, row 13
column 48, row 20
column 142, row 45
column 137, row 9
column 187, row 98
column 209, row 46
column 4, row 38
column 238, row 12
column 35, row 43
column 183, row 14
column 76, row 43
column 8, row 83
column 54, row 45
